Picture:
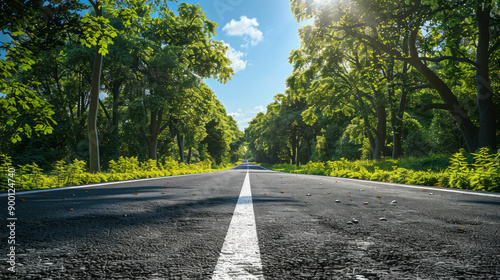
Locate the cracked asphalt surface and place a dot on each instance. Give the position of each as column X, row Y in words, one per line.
column 309, row 227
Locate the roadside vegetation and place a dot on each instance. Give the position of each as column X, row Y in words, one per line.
column 117, row 93
column 379, row 88
column 31, row 176
column 477, row 171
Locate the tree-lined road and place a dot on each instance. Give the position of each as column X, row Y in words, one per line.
column 308, row 227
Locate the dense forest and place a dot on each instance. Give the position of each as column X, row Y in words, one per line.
column 385, row 79
column 115, row 79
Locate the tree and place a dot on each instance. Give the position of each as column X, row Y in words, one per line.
column 99, row 33
column 281, row 133
column 37, row 25
column 377, row 23
column 221, row 133
column 188, row 116
column 178, row 50
column 33, row 26
column 343, row 77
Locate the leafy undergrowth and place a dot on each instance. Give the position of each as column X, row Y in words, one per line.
column 31, row 177
column 477, row 171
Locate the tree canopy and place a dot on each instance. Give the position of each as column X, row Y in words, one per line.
column 369, row 73
column 123, row 79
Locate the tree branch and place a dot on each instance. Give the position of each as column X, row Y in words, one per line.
column 368, row 40
column 454, row 58
column 494, row 47
column 105, row 111
column 163, row 127
column 441, row 106
column 94, row 4
column 419, row 87
column 412, row 44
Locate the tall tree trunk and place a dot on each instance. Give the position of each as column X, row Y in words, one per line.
column 381, row 132
column 297, row 148
column 369, row 134
column 94, row 160
column 116, row 94
column 467, row 128
column 189, row 155
column 152, row 141
column 397, row 116
column 180, row 141
column 397, row 112
column 309, row 150
column 78, row 109
column 155, row 128
column 290, row 155
column 294, row 148
column 397, row 148
column 487, row 117
column 297, row 152
column 152, row 148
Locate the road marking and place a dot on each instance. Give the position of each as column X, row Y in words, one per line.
column 240, row 255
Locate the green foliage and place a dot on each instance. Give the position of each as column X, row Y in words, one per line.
column 174, row 53
column 45, row 82
column 69, row 174
column 5, row 164
column 483, row 173
column 372, row 74
column 33, row 26
column 30, row 176
column 97, row 32
column 22, row 102
column 124, row 165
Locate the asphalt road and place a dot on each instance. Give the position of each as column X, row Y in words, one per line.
column 307, row 227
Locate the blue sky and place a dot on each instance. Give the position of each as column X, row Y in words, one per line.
column 261, row 35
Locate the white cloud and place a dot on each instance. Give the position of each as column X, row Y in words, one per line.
column 259, row 109
column 244, row 123
column 237, row 63
column 236, row 115
column 243, row 119
column 244, row 27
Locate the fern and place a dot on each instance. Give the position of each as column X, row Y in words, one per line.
column 477, row 171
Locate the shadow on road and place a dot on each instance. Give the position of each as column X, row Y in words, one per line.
column 46, row 220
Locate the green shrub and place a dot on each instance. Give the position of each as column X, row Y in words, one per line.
column 124, row 165
column 30, row 176
column 5, row 164
column 477, row 171
column 486, row 174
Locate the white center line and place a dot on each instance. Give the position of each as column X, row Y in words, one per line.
column 240, row 255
